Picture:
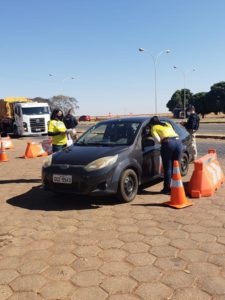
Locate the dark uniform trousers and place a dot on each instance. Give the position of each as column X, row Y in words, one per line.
column 171, row 149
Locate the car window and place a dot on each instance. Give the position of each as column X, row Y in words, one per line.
column 180, row 130
column 112, row 133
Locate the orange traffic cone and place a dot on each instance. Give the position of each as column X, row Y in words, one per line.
column 34, row 150
column 178, row 198
column 3, row 155
column 7, row 142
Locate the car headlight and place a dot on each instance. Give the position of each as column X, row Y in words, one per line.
column 101, row 163
column 47, row 162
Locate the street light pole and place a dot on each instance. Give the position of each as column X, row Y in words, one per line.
column 62, row 81
column 184, row 78
column 155, row 60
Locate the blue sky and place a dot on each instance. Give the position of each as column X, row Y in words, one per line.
column 97, row 41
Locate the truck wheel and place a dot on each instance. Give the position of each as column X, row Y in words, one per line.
column 15, row 131
column 128, row 186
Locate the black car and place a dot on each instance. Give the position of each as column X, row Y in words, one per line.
column 115, row 156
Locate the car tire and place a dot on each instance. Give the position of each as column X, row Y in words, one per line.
column 128, row 186
column 184, row 164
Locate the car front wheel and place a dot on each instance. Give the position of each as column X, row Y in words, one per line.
column 128, row 186
column 184, row 164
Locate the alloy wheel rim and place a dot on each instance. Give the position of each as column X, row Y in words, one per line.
column 129, row 185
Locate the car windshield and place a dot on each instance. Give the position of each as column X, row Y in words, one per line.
column 109, row 134
column 35, row 110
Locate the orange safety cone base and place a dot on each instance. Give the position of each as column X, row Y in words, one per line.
column 198, row 194
column 187, row 203
column 28, row 156
column 3, row 155
column 34, row 150
column 3, row 158
column 177, row 198
column 195, row 194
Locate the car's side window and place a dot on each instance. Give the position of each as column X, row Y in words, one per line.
column 147, row 140
column 178, row 128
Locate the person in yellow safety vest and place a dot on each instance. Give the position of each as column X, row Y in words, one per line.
column 57, row 131
column 171, row 148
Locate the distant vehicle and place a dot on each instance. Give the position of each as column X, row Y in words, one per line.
column 23, row 117
column 112, row 157
column 85, row 118
column 179, row 113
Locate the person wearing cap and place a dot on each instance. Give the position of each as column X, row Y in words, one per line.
column 171, row 148
column 192, row 126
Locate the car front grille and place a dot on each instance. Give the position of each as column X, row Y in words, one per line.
column 37, row 125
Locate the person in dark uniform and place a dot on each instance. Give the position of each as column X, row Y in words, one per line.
column 171, row 148
column 192, row 126
column 71, row 122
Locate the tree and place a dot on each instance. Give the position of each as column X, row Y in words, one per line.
column 198, row 101
column 39, row 99
column 64, row 103
column 215, row 100
column 177, row 99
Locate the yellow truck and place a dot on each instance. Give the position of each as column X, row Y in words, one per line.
column 22, row 117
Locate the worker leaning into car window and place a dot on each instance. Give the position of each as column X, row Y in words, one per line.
column 171, row 148
column 57, row 131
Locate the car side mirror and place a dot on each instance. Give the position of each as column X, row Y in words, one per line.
column 148, row 142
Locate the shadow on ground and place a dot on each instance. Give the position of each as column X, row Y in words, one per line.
column 20, row 181
column 150, row 204
column 38, row 199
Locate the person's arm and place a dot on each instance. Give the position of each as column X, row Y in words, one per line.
column 155, row 135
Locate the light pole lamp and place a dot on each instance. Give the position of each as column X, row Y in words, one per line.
column 63, row 80
column 155, row 60
column 184, row 78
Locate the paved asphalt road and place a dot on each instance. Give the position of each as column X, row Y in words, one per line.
column 204, row 145
column 215, row 128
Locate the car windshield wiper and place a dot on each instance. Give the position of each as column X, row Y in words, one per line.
column 81, row 143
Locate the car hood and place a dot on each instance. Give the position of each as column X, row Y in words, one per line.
column 83, row 155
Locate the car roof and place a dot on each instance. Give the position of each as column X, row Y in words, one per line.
column 132, row 119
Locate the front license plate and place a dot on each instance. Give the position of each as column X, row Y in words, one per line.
column 66, row 179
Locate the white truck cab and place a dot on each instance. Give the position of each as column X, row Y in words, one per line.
column 30, row 118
